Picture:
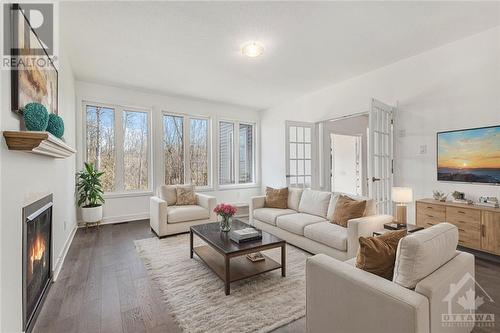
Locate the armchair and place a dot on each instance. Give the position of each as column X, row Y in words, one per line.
column 173, row 219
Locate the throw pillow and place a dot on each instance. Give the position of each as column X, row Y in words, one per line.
column 346, row 209
column 276, row 198
column 186, row 195
column 377, row 255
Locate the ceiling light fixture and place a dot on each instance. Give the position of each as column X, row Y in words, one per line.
column 252, row 49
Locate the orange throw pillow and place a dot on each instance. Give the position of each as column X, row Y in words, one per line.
column 377, row 255
column 346, row 209
column 276, row 198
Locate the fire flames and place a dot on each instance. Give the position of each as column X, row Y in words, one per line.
column 37, row 250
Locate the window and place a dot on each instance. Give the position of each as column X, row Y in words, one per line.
column 101, row 143
column 242, row 164
column 246, row 153
column 135, row 150
column 198, row 151
column 118, row 144
column 186, row 162
column 174, row 150
column 226, row 153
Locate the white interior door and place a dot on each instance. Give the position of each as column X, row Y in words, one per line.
column 380, row 155
column 346, row 163
column 300, row 148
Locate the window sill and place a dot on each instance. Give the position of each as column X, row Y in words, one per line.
column 238, row 186
column 129, row 194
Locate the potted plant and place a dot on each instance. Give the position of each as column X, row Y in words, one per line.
column 226, row 211
column 89, row 192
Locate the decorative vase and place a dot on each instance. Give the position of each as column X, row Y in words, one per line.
column 225, row 224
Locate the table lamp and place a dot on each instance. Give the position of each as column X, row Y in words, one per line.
column 401, row 196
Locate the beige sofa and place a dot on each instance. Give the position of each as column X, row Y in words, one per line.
column 167, row 218
column 430, row 276
column 306, row 222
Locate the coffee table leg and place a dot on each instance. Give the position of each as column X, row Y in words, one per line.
column 191, row 244
column 228, row 276
column 283, row 260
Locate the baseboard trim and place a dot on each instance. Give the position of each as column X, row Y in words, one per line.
column 120, row 219
column 63, row 254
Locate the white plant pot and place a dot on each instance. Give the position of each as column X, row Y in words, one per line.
column 92, row 214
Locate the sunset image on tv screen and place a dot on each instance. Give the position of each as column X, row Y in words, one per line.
column 469, row 155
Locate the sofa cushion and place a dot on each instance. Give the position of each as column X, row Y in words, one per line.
column 329, row 234
column 347, row 209
column 169, row 194
column 269, row 215
column 185, row 213
column 378, row 254
column 297, row 222
column 186, row 195
column 421, row 253
column 294, row 195
column 369, row 210
column 314, row 202
column 276, row 198
column 331, row 206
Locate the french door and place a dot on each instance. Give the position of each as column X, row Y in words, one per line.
column 300, row 151
column 380, row 155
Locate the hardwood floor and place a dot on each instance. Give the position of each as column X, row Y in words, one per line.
column 104, row 287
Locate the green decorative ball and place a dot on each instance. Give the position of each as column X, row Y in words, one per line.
column 36, row 117
column 56, row 125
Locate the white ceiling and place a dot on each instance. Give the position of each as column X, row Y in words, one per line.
column 192, row 48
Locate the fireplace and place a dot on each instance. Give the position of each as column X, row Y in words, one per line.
column 37, row 257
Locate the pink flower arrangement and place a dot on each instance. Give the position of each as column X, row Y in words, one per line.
column 225, row 210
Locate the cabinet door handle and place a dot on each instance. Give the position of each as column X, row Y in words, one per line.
column 461, row 230
column 483, row 230
column 461, row 212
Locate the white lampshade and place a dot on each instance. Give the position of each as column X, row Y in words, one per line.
column 402, row 194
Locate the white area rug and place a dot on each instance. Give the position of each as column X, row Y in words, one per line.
column 195, row 295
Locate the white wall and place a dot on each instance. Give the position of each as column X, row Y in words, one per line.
column 133, row 207
column 25, row 177
column 451, row 87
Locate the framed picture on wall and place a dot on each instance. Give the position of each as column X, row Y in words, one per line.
column 31, row 81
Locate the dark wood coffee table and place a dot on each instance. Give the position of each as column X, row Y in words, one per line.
column 228, row 259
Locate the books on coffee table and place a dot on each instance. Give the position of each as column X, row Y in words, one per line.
column 245, row 235
column 256, row 256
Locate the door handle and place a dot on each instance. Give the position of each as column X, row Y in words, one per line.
column 374, row 179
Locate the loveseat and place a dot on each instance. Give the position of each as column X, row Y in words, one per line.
column 431, row 283
column 306, row 222
column 168, row 218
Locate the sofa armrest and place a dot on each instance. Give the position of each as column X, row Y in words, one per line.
column 255, row 203
column 158, row 215
column 343, row 298
column 363, row 227
column 437, row 287
column 207, row 202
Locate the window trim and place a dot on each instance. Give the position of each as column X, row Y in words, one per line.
column 236, row 165
column 186, row 122
column 118, row 109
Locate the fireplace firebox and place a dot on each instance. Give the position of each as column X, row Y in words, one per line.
column 37, row 258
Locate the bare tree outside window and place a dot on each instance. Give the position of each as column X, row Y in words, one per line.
column 101, row 143
column 198, row 151
column 135, row 150
column 173, row 149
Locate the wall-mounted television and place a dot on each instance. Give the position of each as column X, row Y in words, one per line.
column 470, row 155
